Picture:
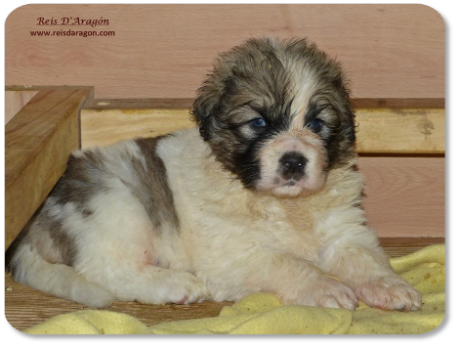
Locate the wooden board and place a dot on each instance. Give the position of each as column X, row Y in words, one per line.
column 405, row 196
column 400, row 131
column 165, row 51
column 105, row 127
column 25, row 307
column 380, row 130
column 38, row 141
column 15, row 101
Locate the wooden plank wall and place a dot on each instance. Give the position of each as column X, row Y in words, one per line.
column 164, row 51
column 15, row 101
column 389, row 130
column 404, row 195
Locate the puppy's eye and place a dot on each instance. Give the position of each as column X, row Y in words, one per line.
column 258, row 123
column 316, row 125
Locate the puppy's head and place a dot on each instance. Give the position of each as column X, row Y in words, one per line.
column 277, row 114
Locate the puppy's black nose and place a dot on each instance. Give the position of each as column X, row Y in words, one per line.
column 292, row 165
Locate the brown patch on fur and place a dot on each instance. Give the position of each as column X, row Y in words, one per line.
column 153, row 187
column 81, row 180
column 65, row 245
column 62, row 243
column 51, row 239
column 87, row 212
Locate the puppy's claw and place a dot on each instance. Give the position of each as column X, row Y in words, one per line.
column 329, row 293
column 390, row 293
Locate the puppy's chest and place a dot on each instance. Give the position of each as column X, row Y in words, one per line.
column 244, row 220
column 293, row 227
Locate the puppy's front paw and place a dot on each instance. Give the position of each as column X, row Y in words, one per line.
column 390, row 293
column 327, row 292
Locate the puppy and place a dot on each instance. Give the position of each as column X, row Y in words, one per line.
column 264, row 196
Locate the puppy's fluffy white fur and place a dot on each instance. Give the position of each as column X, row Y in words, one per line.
column 214, row 236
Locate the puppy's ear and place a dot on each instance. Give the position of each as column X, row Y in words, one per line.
column 348, row 112
column 205, row 108
column 348, row 125
column 351, row 133
column 345, row 107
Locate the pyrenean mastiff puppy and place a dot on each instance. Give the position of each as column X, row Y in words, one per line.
column 263, row 196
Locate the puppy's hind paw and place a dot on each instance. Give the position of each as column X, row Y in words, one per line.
column 390, row 293
column 174, row 287
column 192, row 290
column 93, row 296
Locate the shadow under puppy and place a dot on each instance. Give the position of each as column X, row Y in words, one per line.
column 263, row 197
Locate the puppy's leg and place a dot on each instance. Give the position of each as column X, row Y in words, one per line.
column 123, row 251
column 149, row 284
column 359, row 261
column 57, row 279
column 296, row 281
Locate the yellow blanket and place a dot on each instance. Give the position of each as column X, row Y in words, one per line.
column 264, row 314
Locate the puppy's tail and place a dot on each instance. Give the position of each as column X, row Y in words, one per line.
column 29, row 268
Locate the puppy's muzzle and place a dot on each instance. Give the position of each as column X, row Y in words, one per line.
column 292, row 166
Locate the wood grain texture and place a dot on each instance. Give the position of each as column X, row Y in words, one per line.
column 15, row 101
column 405, row 196
column 400, row 131
column 25, row 307
column 405, row 130
column 105, row 127
column 38, row 141
column 165, row 51
column 396, row 247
